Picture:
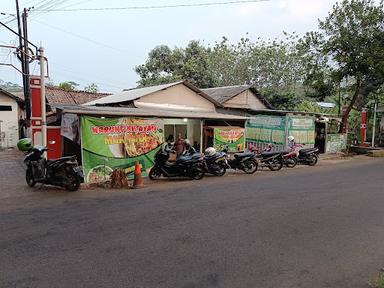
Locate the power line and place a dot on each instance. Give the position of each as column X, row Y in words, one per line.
column 152, row 7
column 80, row 36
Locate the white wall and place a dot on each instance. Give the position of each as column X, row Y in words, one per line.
column 179, row 95
column 9, row 125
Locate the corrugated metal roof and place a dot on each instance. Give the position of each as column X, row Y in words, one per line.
column 13, row 95
column 122, row 111
column 133, row 94
column 226, row 93
column 223, row 94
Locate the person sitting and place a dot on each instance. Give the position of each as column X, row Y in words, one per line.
column 169, row 145
column 188, row 148
column 291, row 142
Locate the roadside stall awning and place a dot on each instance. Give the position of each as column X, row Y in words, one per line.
column 141, row 112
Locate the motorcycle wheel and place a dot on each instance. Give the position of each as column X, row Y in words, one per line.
column 198, row 173
column 290, row 163
column 250, row 167
column 73, row 182
column 275, row 164
column 29, row 178
column 154, row 173
column 221, row 170
column 312, row 160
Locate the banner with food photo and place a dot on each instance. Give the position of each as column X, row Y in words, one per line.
column 117, row 143
column 228, row 137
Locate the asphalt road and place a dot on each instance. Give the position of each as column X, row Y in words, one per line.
column 306, row 227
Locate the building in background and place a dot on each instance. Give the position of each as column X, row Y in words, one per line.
column 11, row 119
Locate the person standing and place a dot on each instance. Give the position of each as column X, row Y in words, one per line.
column 179, row 145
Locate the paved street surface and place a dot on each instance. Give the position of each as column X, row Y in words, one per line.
column 317, row 226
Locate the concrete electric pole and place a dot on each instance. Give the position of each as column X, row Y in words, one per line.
column 43, row 106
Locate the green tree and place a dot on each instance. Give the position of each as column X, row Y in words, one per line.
column 353, row 35
column 91, row 88
column 320, row 80
column 275, row 67
column 68, row 85
column 165, row 65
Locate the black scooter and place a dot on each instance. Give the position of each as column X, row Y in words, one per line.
column 216, row 164
column 64, row 172
column 308, row 156
column 272, row 160
column 191, row 166
column 243, row 161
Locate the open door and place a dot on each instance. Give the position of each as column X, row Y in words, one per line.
column 320, row 131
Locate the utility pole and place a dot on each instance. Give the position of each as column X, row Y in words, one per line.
column 43, row 108
column 27, row 91
column 23, row 59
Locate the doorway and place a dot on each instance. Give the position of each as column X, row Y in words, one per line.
column 320, row 136
column 175, row 130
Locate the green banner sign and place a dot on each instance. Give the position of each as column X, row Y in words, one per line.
column 265, row 129
column 117, row 143
column 302, row 128
column 231, row 138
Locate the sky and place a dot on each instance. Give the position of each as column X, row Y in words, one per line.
column 104, row 46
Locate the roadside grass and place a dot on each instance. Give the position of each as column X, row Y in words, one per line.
column 379, row 282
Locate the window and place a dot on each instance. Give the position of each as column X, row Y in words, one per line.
column 5, row 108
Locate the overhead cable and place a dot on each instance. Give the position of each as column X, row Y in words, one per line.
column 152, row 7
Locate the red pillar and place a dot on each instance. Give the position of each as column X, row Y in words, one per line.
column 363, row 126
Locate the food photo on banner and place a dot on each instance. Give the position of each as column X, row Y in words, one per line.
column 231, row 138
column 117, row 143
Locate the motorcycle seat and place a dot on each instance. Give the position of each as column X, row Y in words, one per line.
column 308, row 150
column 189, row 157
column 243, row 154
column 214, row 156
column 270, row 154
column 62, row 159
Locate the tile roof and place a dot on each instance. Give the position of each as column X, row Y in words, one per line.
column 56, row 95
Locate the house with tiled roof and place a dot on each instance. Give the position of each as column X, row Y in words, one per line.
column 57, row 95
column 12, row 110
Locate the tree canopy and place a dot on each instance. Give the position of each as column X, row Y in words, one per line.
column 68, row 85
column 353, row 39
column 345, row 54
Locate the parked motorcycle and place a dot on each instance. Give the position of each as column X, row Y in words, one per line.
column 243, row 161
column 64, row 172
column 272, row 160
column 191, row 165
column 308, row 156
column 289, row 156
column 215, row 162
